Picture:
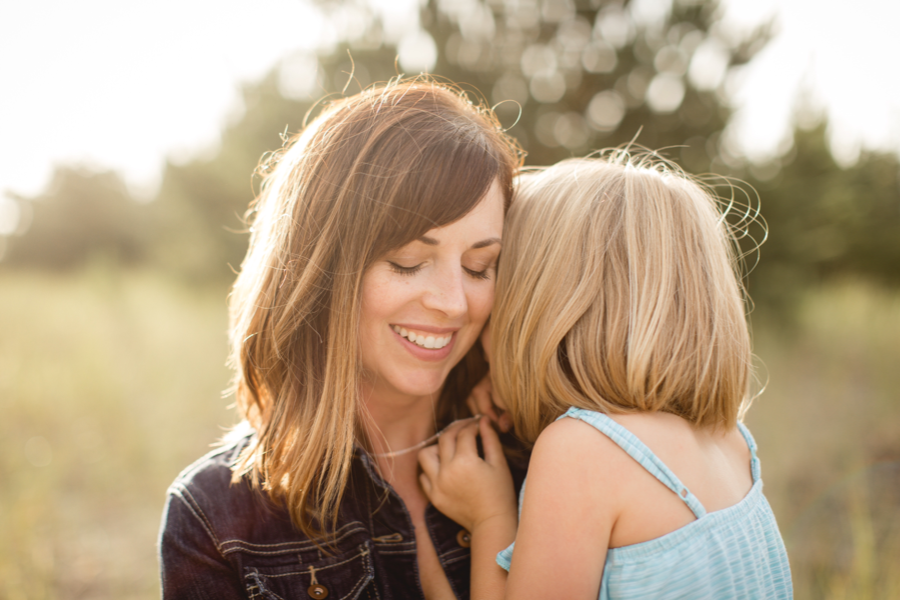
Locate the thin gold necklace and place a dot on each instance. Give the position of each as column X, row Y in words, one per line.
column 425, row 442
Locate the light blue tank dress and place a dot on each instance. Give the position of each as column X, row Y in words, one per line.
column 736, row 552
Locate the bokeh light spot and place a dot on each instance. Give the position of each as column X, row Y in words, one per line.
column 665, row 93
column 545, row 129
column 614, row 26
column 548, row 88
column 708, row 65
column 571, row 131
column 417, row 52
column 297, row 76
column 574, row 33
column 606, row 110
column 671, row 59
column 599, row 57
column 556, row 11
column 538, row 59
column 510, row 87
column 10, row 213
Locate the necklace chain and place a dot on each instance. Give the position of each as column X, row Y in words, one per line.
column 424, row 442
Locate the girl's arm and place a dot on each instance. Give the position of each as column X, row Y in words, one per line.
column 478, row 494
column 568, row 512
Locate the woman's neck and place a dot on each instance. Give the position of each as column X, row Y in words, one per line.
column 395, row 422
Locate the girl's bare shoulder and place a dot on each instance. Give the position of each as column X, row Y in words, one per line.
column 572, row 448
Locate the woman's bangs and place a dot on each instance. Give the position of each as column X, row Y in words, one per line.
column 449, row 178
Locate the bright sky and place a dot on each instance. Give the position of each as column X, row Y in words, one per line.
column 843, row 53
column 122, row 85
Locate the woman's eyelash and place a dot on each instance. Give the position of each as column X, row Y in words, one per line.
column 404, row 270
column 400, row 269
column 478, row 274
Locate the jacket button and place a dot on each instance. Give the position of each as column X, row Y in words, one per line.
column 463, row 538
column 317, row 591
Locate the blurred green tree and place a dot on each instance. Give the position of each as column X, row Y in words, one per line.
column 82, row 215
column 566, row 77
column 826, row 222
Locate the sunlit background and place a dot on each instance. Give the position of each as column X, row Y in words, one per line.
column 129, row 134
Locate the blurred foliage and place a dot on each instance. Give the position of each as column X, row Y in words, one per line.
column 566, row 77
column 81, row 215
column 593, row 74
column 826, row 222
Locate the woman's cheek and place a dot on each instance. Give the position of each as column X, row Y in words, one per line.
column 481, row 303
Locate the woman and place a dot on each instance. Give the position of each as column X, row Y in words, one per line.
column 369, row 277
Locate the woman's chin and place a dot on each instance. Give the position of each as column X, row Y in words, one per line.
column 419, row 386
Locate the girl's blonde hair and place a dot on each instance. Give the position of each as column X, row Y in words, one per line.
column 617, row 291
column 373, row 172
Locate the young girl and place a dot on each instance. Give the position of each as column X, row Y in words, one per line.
column 620, row 349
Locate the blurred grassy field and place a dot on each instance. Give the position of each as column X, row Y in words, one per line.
column 110, row 383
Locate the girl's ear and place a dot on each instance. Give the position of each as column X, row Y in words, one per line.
column 486, row 340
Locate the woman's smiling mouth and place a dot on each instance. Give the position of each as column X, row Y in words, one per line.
column 422, row 339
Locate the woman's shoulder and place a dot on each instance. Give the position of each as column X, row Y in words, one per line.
column 206, row 494
column 212, row 473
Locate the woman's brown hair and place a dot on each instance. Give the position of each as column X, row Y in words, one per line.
column 371, row 173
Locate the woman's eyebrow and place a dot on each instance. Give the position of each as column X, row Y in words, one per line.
column 482, row 244
column 486, row 243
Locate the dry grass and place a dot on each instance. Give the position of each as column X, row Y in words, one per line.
column 110, row 384
column 828, row 427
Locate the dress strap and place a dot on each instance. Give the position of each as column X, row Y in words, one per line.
column 751, row 443
column 639, row 451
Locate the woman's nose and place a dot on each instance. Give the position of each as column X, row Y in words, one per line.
column 447, row 294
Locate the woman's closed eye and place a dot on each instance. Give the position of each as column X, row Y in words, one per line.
column 483, row 274
column 412, row 270
column 404, row 270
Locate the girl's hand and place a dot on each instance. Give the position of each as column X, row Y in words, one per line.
column 468, row 489
column 481, row 402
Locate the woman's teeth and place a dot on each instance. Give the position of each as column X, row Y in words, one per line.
column 425, row 341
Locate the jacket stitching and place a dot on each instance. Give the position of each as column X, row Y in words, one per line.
column 362, row 553
column 285, row 547
column 206, row 526
column 259, row 586
column 394, row 544
column 365, row 578
column 202, row 516
column 355, row 524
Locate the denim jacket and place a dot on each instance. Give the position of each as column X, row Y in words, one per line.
column 223, row 541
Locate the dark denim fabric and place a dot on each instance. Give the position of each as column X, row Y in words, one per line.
column 222, row 541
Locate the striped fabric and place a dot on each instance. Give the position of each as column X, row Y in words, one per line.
column 736, row 552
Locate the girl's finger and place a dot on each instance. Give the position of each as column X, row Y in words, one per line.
column 425, row 482
column 473, row 406
column 493, row 449
column 447, row 441
column 429, row 461
column 465, row 441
